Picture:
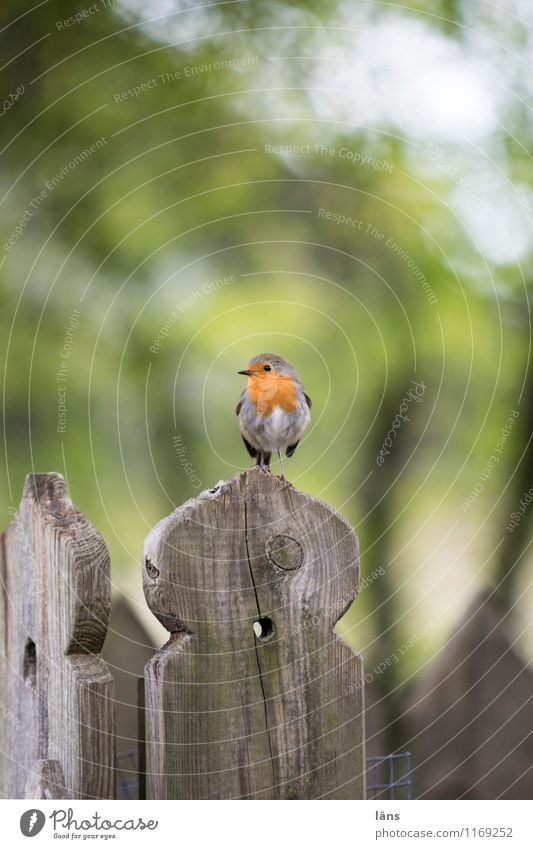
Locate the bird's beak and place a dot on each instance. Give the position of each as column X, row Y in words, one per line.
column 245, row 371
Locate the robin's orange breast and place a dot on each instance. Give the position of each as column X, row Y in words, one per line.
column 272, row 390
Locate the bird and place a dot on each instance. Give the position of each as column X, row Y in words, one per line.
column 274, row 409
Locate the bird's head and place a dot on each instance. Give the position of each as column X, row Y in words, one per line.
column 267, row 367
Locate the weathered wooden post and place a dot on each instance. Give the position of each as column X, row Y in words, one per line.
column 254, row 695
column 57, row 737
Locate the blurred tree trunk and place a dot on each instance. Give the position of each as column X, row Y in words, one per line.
column 513, row 549
column 378, row 503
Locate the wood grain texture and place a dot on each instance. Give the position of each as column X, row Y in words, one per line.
column 55, row 605
column 254, row 696
column 46, row 781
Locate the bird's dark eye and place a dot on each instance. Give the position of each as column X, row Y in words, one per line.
column 267, row 368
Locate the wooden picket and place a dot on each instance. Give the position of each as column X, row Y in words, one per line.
column 254, row 695
column 57, row 691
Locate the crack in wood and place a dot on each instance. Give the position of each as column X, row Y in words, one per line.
column 259, row 613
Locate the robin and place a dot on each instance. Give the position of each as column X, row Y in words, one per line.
column 274, row 409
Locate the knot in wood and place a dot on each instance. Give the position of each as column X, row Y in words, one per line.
column 284, row 552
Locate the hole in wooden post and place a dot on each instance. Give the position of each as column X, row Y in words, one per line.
column 264, row 628
column 152, row 570
column 29, row 667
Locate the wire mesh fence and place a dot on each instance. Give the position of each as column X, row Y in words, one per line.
column 127, row 769
column 389, row 776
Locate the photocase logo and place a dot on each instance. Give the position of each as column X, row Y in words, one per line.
column 32, row 822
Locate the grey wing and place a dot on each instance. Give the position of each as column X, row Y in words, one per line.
column 239, row 405
column 292, row 448
column 250, row 448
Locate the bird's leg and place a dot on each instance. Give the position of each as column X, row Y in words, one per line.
column 262, row 463
column 282, row 476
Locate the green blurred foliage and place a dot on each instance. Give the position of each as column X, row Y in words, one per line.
column 182, row 193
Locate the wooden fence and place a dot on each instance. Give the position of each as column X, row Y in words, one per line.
column 253, row 695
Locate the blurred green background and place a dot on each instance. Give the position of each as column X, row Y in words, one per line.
column 348, row 184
